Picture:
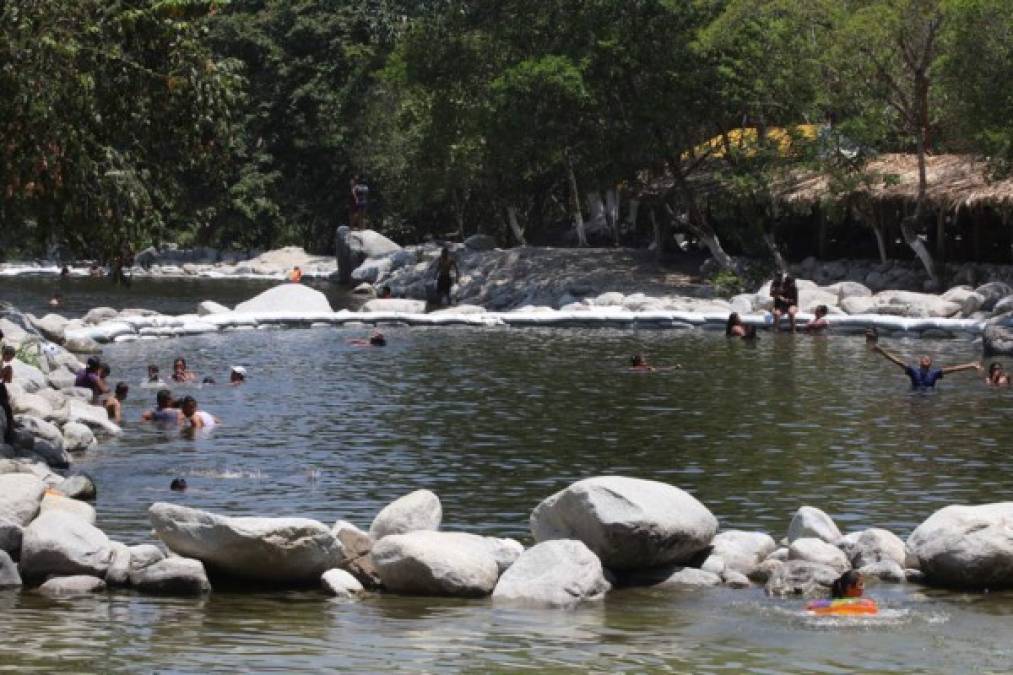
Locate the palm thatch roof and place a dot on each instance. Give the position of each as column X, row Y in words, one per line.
column 954, row 182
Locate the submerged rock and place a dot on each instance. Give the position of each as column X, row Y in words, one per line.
column 435, row 563
column 629, row 523
column 284, row 550
column 171, row 576
column 966, row 546
column 80, row 584
column 9, row 576
column 419, row 510
column 340, row 583
column 558, row 573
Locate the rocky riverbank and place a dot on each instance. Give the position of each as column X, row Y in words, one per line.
column 596, row 535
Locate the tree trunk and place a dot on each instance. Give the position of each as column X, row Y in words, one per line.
column 630, row 223
column 880, row 240
column 578, row 217
column 596, row 221
column 775, row 252
column 707, row 236
column 612, row 213
column 941, row 237
column 656, row 243
column 458, row 212
column 909, row 225
column 515, row 227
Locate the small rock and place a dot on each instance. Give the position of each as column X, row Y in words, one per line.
column 809, row 521
column 872, row 546
column 800, row 577
column 78, row 486
column 424, row 562
column 118, row 573
column 557, row 573
column 743, row 551
column 340, row 583
column 78, row 437
column 419, row 510
column 818, row 551
column 79, row 584
column 171, row 576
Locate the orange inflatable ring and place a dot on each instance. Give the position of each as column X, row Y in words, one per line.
column 842, row 607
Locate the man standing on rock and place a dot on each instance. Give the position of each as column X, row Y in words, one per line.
column 444, row 283
column 924, row 376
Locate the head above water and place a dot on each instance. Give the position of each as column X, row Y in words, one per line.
column 445, row 253
column 163, row 399
column 925, row 362
column 377, row 339
column 104, row 370
column 821, row 311
column 188, row 406
column 638, row 360
column 122, row 389
column 851, row 584
column 237, row 374
column 178, row 484
column 179, row 365
column 733, row 320
column 93, row 364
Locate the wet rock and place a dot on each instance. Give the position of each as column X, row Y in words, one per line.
column 10, row 537
column 284, row 550
column 61, row 544
column 628, row 523
column 144, row 555
column 992, row 293
column 80, row 584
column 849, row 289
column 401, row 305
column 78, row 437
column 558, row 573
column 52, row 327
column 872, row 546
column 743, row 551
column 734, row 579
column 809, row 521
column 355, row 547
column 9, row 576
column 287, row 298
column 340, row 583
column 93, row 416
column 171, row 576
column 969, row 301
column 884, row 570
column 20, row 497
column 424, row 562
column 818, row 551
column 41, row 429
column 99, row 315
column 55, row 457
column 966, row 546
column 419, row 510
column 714, row 564
column 55, row 502
column 997, row 340
column 118, row 573
column 800, row 577
column 80, row 344
column 208, row 308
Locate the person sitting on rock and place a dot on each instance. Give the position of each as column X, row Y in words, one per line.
column 166, row 410
column 997, row 375
column 237, row 375
column 88, row 378
column 925, row 376
column 114, row 404
column 785, row 294
column 444, row 266
column 820, row 323
column 199, row 420
column 7, row 364
column 295, row 276
column 180, row 373
column 375, row 340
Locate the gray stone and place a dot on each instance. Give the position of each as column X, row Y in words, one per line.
column 282, row 550
column 689, row 577
column 734, row 579
column 80, row 584
column 966, row 546
column 743, row 551
column 287, row 298
column 59, row 544
column 480, row 242
column 93, row 416
column 872, row 546
column 9, row 576
column 100, row 315
column 52, row 327
column 1003, row 306
column 61, row 378
column 424, row 562
column 419, row 510
column 340, row 583
column 628, row 523
column 209, row 307
column 20, row 497
column 400, row 305
column 884, row 570
column 78, row 437
column 144, row 555
column 809, row 521
column 79, row 344
column 118, row 573
column 28, row 377
column 55, row 457
column 818, row 551
column 10, row 537
column 997, row 340
column 78, row 487
column 558, row 573
column 992, row 293
column 799, row 577
column 55, row 502
column 41, row 429
column 171, row 576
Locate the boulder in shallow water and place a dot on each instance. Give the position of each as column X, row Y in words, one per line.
column 80, row 344
column 10, row 537
column 61, row 544
column 356, row 546
column 78, row 437
column 400, row 305
column 171, row 576
column 966, row 546
column 20, row 497
column 743, row 551
column 288, row 298
column 629, row 523
column 809, row 521
column 872, row 546
column 992, row 293
column 800, row 577
column 93, row 416
column 558, row 573
column 55, row 502
column 884, row 570
column 818, row 551
column 434, row 563
column 209, row 307
column 419, row 510
column 340, row 583
column 52, row 327
column 99, row 315
column 283, row 550
column 79, row 584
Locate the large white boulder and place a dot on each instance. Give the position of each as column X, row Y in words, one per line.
column 434, row 563
column 848, row 289
column 286, row 298
column 556, row 573
column 30, row 378
column 370, row 244
column 419, row 510
column 910, row 304
column 818, row 551
column 629, row 523
column 969, row 300
column 32, row 404
column 800, row 577
column 92, row 415
column 284, row 550
column 872, row 546
column 400, row 305
column 743, row 551
column 966, row 546
column 55, row 502
column 78, row 437
column 809, row 300
column 20, row 497
column 992, row 293
column 61, row 544
column 210, row 307
column 52, row 327
column 809, row 521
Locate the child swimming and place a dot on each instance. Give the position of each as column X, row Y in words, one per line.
column 845, row 598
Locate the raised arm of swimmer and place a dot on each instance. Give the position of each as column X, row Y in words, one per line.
column 890, row 357
column 974, row 365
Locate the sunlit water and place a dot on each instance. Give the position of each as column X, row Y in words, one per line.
column 496, row 420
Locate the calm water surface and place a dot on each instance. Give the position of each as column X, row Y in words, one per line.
column 496, row 420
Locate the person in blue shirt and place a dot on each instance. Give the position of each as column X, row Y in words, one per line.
column 924, row 376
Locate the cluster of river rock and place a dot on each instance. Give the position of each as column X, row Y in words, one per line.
column 595, row 535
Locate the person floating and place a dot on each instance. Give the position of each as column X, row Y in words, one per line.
column 444, row 266
column 997, row 375
column 178, row 485
column 925, row 376
column 845, row 598
column 376, row 339
column 180, row 373
column 820, row 323
column 166, row 409
column 735, row 328
column 237, row 375
column 56, row 300
column 199, row 420
column 295, row 276
column 785, row 295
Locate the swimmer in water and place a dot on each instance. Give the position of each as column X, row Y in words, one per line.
column 166, row 411
column 845, row 597
column 237, row 375
column 178, row 485
column 997, row 375
column 375, row 340
column 199, row 420
column 180, row 373
column 871, row 337
column 734, row 326
column 638, row 362
column 153, row 376
column 114, row 404
column 818, row 324
column 924, row 376
column 56, row 300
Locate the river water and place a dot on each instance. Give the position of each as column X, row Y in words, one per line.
column 494, row 420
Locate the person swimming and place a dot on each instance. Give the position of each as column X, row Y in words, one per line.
column 845, row 597
column 819, row 323
column 638, row 362
column 198, row 419
column 114, row 403
column 997, row 375
column 375, row 340
column 166, row 410
column 924, row 376
column 178, row 485
column 237, row 375
column 180, row 373
column 734, row 326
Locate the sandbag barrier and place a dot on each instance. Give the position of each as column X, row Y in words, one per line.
column 159, row 326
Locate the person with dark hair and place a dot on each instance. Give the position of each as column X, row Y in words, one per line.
column 7, row 364
column 734, row 326
column 639, row 363
column 178, row 485
column 785, row 294
column 114, row 403
column 997, row 375
column 199, row 420
column 444, row 282
column 925, row 376
column 360, row 201
column 384, row 292
column 154, row 377
column 375, row 340
column 88, row 378
column 180, row 373
column 166, row 410
column 845, row 597
column 851, row 584
column 820, row 323
column 871, row 336
column 237, row 375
